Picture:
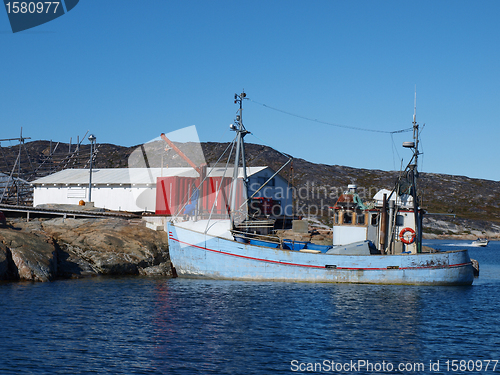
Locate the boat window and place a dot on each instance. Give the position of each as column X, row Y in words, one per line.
column 400, row 220
column 360, row 218
column 336, row 217
column 374, row 219
column 347, row 217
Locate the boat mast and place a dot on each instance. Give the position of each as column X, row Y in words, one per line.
column 240, row 153
column 414, row 176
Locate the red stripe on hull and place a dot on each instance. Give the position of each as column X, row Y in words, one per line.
column 311, row 266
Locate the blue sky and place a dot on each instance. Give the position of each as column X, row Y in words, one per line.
column 130, row 70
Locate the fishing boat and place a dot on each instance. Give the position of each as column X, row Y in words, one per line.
column 375, row 243
column 480, row 242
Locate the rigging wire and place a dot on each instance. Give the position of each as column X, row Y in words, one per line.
column 423, row 155
column 232, row 144
column 331, row 123
column 275, row 149
column 394, row 148
column 188, row 195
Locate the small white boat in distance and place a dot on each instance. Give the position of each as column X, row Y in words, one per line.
column 480, row 242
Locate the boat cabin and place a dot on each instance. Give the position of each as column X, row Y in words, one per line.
column 384, row 226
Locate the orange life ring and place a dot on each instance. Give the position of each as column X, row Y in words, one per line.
column 404, row 239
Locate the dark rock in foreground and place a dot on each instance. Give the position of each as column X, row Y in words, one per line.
column 73, row 248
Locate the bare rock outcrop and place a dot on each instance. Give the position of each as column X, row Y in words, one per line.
column 73, row 248
column 28, row 255
column 440, row 227
column 7, row 272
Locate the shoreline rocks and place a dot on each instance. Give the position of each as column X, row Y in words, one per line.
column 45, row 250
column 49, row 249
column 454, row 228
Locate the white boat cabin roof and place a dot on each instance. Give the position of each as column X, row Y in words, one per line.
column 404, row 201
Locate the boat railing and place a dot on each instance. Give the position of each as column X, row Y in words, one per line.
column 277, row 243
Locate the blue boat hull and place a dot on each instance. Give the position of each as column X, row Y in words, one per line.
column 195, row 254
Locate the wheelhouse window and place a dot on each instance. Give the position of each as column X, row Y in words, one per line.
column 360, row 218
column 347, row 217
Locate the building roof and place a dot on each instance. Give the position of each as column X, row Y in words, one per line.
column 141, row 176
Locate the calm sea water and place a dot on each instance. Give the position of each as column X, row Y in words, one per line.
column 181, row 326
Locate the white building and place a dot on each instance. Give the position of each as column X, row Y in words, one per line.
column 134, row 189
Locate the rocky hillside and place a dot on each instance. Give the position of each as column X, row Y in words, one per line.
column 320, row 184
column 316, row 185
column 40, row 158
